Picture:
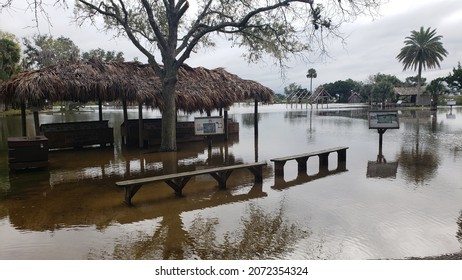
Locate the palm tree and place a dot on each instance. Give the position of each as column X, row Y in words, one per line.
column 311, row 74
column 423, row 49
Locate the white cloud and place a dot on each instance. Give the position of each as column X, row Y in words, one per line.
column 372, row 45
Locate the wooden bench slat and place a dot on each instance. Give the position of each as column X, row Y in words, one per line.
column 303, row 158
column 310, row 154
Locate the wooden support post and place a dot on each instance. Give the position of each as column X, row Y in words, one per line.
column 221, row 177
column 23, row 119
column 140, row 126
column 127, row 129
column 341, row 160
column 341, row 155
column 36, row 122
column 279, row 168
column 279, row 181
column 257, row 172
column 178, row 184
column 130, row 191
column 100, row 109
column 257, row 188
column 255, row 117
column 302, row 164
column 226, row 123
column 323, row 161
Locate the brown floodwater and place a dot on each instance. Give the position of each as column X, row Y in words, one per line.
column 409, row 203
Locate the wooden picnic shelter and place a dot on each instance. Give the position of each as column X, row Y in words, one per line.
column 320, row 95
column 198, row 89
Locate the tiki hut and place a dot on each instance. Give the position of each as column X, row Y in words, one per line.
column 408, row 96
column 198, row 89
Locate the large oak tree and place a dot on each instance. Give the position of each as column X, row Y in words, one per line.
column 168, row 32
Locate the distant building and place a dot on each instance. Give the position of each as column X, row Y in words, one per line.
column 320, row 96
column 408, row 96
column 354, row 98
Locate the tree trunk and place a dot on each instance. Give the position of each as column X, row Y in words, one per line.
column 168, row 141
column 311, row 85
column 419, row 86
column 434, row 104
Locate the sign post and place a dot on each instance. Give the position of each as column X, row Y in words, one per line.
column 209, row 126
column 383, row 120
column 451, row 102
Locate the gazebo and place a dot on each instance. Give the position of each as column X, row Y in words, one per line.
column 198, row 89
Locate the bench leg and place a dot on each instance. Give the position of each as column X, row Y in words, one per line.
column 302, row 164
column 341, row 154
column 323, row 161
column 279, row 168
column 130, row 191
column 341, row 160
column 257, row 173
column 221, row 177
column 279, row 181
column 178, row 185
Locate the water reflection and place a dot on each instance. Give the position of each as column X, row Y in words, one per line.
column 261, row 235
column 248, row 120
column 459, row 232
column 295, row 117
column 302, row 177
column 418, row 157
column 380, row 168
column 354, row 113
column 77, row 192
column 419, row 165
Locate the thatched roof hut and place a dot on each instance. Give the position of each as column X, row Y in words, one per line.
column 407, row 91
column 198, row 89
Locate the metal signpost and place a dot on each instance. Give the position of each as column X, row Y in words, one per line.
column 383, row 120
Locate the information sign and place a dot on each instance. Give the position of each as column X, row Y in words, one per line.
column 383, row 120
column 209, row 125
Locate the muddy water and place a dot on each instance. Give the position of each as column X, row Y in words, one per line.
column 409, row 204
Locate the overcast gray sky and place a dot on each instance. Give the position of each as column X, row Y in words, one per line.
column 371, row 45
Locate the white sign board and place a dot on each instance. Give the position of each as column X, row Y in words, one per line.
column 209, row 126
column 383, row 119
column 451, row 102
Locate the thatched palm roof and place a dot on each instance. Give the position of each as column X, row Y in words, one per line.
column 408, row 91
column 198, row 88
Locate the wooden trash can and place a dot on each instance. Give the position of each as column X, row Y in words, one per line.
column 27, row 152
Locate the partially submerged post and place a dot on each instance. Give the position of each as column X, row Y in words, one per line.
column 383, row 120
column 23, row 119
column 140, row 126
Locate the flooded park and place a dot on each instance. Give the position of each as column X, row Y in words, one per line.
column 403, row 202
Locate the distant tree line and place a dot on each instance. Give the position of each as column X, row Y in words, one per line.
column 380, row 87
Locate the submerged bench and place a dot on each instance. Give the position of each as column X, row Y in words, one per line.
column 303, row 158
column 177, row 181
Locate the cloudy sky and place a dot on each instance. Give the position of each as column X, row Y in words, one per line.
column 371, row 44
